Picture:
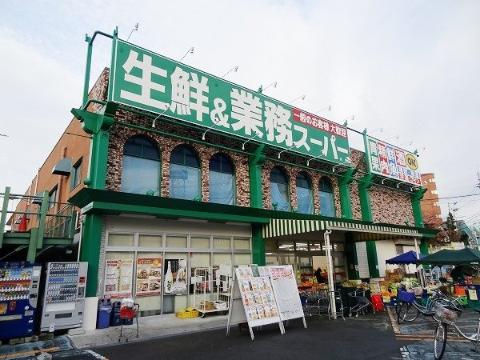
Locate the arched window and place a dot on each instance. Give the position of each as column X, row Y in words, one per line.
column 304, row 194
column 141, row 166
column 327, row 204
column 279, row 189
column 221, row 180
column 184, row 174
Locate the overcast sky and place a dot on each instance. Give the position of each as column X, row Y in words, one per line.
column 408, row 70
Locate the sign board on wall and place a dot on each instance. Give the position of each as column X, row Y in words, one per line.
column 390, row 161
column 118, row 278
column 152, row 82
column 149, row 276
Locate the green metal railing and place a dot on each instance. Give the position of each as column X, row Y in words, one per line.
column 35, row 222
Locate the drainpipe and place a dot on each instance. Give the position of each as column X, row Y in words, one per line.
column 331, row 284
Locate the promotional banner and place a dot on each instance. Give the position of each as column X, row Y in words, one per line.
column 149, row 276
column 118, row 278
column 175, row 272
column 152, row 82
column 286, row 290
column 390, row 161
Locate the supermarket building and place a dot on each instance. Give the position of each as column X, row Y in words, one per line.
column 221, row 176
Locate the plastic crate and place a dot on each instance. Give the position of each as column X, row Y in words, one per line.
column 188, row 313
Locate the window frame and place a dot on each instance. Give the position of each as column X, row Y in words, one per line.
column 154, row 143
column 200, row 172
column 287, row 178
column 332, row 192
column 234, row 176
column 75, row 175
column 310, row 189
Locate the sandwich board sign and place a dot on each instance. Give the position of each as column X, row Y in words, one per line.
column 285, row 290
column 253, row 301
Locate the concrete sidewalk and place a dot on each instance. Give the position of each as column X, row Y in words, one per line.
column 151, row 327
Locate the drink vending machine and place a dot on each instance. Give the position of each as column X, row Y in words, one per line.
column 19, row 285
column 64, row 295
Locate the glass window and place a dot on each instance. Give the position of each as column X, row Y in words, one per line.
column 221, row 243
column 52, row 197
column 242, row 259
column 120, row 240
column 304, row 194
column 76, row 175
column 327, row 204
column 241, row 243
column 200, row 242
column 153, row 241
column 149, row 303
column 141, row 166
column 221, row 180
column 222, row 259
column 279, row 189
column 184, row 174
column 176, row 241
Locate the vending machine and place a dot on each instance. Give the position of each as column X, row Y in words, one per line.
column 64, row 296
column 19, row 285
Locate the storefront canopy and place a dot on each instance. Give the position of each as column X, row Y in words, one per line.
column 362, row 231
column 453, row 257
column 410, row 257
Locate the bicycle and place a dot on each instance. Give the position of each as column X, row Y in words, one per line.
column 410, row 306
column 447, row 316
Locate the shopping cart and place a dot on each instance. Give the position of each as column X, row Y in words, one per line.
column 128, row 311
column 361, row 304
column 315, row 302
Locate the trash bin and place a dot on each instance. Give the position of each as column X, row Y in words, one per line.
column 115, row 316
column 104, row 310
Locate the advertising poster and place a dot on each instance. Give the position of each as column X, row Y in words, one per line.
column 118, row 278
column 286, row 291
column 257, row 296
column 390, row 161
column 149, row 276
column 175, row 276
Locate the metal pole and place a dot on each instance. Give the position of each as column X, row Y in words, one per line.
column 420, row 271
column 331, row 284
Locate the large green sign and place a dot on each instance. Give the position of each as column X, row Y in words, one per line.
column 152, row 82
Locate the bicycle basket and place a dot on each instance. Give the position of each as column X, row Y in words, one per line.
column 406, row 296
column 446, row 315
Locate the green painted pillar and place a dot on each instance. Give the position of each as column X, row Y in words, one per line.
column 344, row 182
column 98, row 125
column 255, row 163
column 364, row 186
column 416, row 198
column 258, row 251
column 351, row 255
column 372, row 259
column 423, row 247
column 90, row 250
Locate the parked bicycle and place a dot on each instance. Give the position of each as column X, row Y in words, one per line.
column 446, row 316
column 409, row 307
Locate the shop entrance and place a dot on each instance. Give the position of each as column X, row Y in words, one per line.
column 306, row 256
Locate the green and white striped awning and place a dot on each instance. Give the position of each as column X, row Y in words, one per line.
column 286, row 227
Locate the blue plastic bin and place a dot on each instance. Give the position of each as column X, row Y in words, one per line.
column 104, row 310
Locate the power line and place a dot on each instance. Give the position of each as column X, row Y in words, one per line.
column 453, row 197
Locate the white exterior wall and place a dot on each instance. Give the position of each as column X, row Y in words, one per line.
column 385, row 250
